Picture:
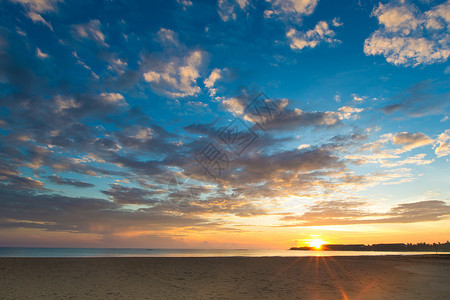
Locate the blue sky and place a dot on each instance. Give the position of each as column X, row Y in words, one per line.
column 229, row 123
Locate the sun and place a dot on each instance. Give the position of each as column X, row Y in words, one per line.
column 316, row 243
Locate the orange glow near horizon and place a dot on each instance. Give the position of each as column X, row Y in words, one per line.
column 316, row 243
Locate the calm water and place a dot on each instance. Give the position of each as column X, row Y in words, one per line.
column 120, row 252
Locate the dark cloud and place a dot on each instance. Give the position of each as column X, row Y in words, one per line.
column 82, row 215
column 422, row 99
column 73, row 182
column 269, row 167
column 356, row 212
column 131, row 195
column 293, row 119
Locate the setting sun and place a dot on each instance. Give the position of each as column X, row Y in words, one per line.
column 316, row 243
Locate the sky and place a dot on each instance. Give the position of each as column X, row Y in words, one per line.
column 223, row 124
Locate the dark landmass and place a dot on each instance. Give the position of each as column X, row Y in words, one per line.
column 383, row 247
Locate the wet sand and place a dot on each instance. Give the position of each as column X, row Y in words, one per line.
column 369, row 277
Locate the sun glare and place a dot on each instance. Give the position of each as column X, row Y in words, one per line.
column 316, row 243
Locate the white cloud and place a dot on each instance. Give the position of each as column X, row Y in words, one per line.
column 113, row 98
column 397, row 18
column 178, row 77
column 408, row 37
column 90, row 30
column 438, row 17
column 117, row 65
column 406, row 51
column 311, row 38
column 209, row 82
column 62, row 104
column 410, row 141
column 234, row 106
column 418, row 159
column 167, row 37
column 337, row 97
column 242, row 3
column 41, row 54
column 337, row 23
column 144, row 134
column 185, row 3
column 37, row 18
column 444, row 144
column 84, row 65
column 303, row 146
column 358, row 98
column 297, row 7
column 35, row 9
column 226, row 8
column 215, row 75
column 151, row 76
column 347, row 112
column 38, row 5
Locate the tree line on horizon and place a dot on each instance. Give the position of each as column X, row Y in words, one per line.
column 435, row 247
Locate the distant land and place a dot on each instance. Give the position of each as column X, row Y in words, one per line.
column 381, row 247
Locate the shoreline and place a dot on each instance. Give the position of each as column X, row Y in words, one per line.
column 307, row 277
column 425, row 255
column 131, row 252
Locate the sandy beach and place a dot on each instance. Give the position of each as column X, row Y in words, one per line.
column 380, row 277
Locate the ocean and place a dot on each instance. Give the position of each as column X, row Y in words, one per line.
column 129, row 252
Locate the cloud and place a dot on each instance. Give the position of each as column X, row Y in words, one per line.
column 83, row 215
column 185, row 3
column 355, row 212
column 113, row 98
column 421, row 99
column 84, row 65
column 358, row 98
column 178, row 77
column 337, row 23
column 407, row 140
column 226, row 8
column 397, row 18
column 438, row 17
column 35, row 9
column 258, row 169
column 62, row 104
column 292, row 119
column 168, row 37
column 38, row 5
column 411, row 141
column 288, row 119
column 90, row 30
column 73, row 182
column 444, row 144
column 348, row 112
column 423, row 211
column 74, row 126
column 41, row 54
column 414, row 160
column 408, row 37
column 131, row 195
column 118, row 65
column 311, row 38
column 12, row 179
column 209, row 82
column 37, row 18
column 291, row 8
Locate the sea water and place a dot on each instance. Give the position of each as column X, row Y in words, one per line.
column 137, row 252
